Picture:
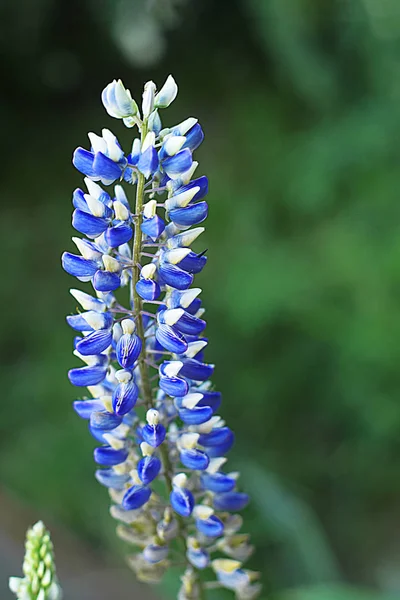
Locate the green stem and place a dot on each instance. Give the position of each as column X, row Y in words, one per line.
column 137, row 306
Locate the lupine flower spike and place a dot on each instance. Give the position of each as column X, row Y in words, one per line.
column 151, row 406
column 40, row 580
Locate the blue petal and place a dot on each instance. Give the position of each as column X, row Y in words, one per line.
column 111, row 479
column 88, row 224
column 148, row 162
column 194, row 459
column 216, row 437
column 83, row 161
column 190, row 324
column 174, row 386
column 128, row 350
column 78, row 323
column 135, row 497
column 104, row 281
column 194, row 137
column 217, row 482
column 109, row 456
column 174, row 276
column 211, row 399
column 154, row 435
column 190, row 215
column 95, row 342
column 153, row 227
column 194, row 306
column 78, row 266
column 211, row 527
column 231, row 501
column 182, row 501
column 196, row 370
column 148, row 289
column 148, row 468
column 104, row 420
column 106, row 169
column 78, row 200
column 170, row 339
column 195, row 416
column 221, row 449
column 118, row 235
column 178, row 164
column 124, row 397
column 84, row 376
column 193, row 263
column 84, row 408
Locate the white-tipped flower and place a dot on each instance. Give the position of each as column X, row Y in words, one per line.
column 128, row 326
column 167, row 94
column 148, row 271
column 118, row 101
column 121, row 211
column 148, row 98
column 40, row 580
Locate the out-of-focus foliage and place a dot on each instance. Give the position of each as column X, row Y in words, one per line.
column 300, row 102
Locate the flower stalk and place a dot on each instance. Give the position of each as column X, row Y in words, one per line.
column 164, row 428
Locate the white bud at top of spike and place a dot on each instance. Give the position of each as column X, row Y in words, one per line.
column 123, row 376
column 167, row 94
column 203, row 512
column 172, row 369
column 152, row 416
column 121, row 212
column 128, row 326
column 180, row 480
column 148, row 98
column 111, row 264
column 148, row 271
column 173, row 144
column 117, row 101
column 146, row 449
column 149, row 209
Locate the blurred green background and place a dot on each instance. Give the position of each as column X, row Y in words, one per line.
column 300, row 103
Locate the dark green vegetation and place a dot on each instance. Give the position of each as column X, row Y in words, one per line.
column 299, row 100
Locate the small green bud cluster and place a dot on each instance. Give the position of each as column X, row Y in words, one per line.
column 40, row 580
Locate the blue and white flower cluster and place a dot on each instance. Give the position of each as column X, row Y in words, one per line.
column 152, row 406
